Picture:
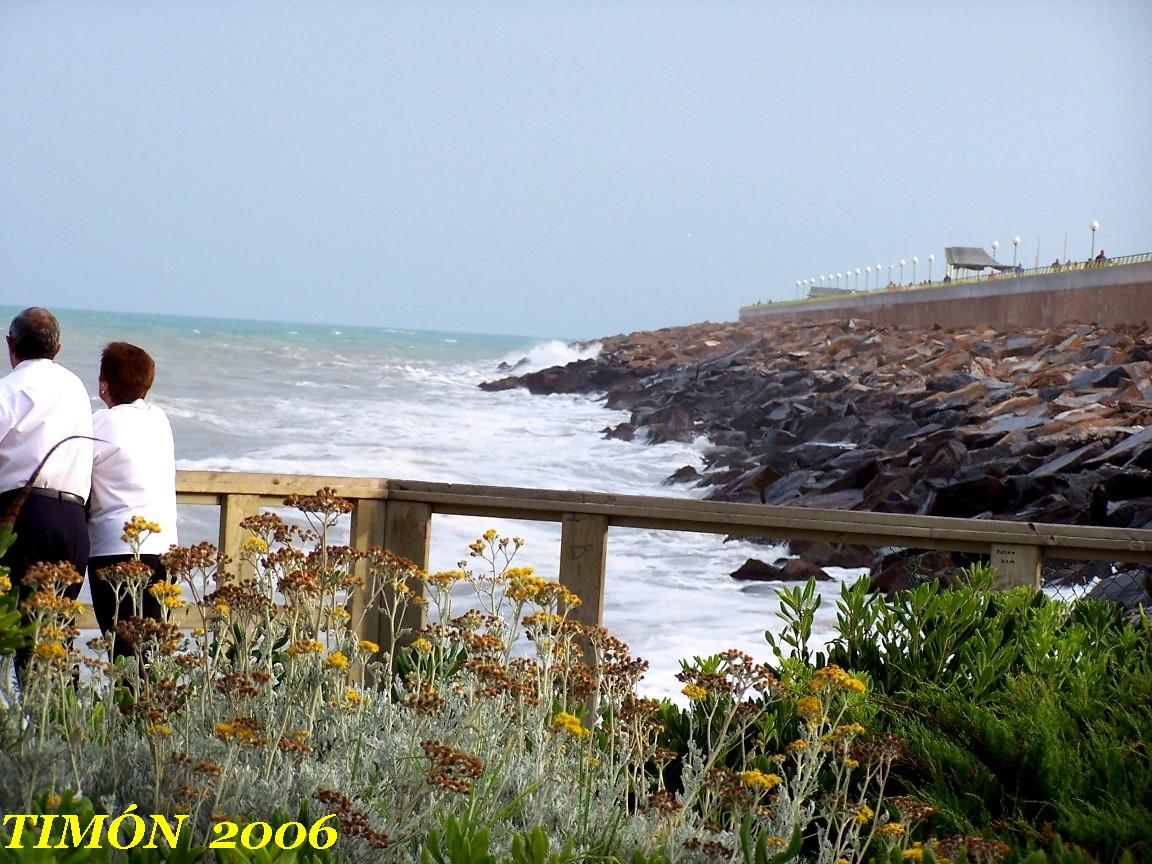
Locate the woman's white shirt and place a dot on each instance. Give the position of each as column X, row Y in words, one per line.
column 133, row 474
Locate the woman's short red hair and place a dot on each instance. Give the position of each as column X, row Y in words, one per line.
column 127, row 370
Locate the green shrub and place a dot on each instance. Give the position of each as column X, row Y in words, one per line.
column 1018, row 711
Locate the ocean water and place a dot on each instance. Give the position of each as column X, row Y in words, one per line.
column 403, row 404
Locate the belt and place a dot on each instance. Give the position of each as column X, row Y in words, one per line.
column 56, row 493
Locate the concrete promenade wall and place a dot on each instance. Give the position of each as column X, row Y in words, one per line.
column 1117, row 294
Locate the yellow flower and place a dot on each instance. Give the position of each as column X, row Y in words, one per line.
column 367, row 645
column 167, row 595
column 797, row 745
column 353, row 696
column 422, row 645
column 808, row 707
column 50, row 650
column 864, row 814
column 160, row 730
column 843, row 861
column 445, row 578
column 137, row 527
column 835, row 678
column 848, row 730
column 916, row 853
column 526, row 587
column 891, row 829
column 5, row 583
column 52, row 802
column 336, row 660
column 305, row 646
column 694, row 692
column 490, row 534
column 758, row 778
column 565, row 722
column 254, row 546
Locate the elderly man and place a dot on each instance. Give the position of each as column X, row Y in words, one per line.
column 41, row 404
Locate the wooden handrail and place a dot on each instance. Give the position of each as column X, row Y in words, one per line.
column 397, row 514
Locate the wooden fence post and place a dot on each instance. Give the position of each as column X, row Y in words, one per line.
column 367, row 530
column 1015, row 566
column 407, row 532
column 233, row 510
column 583, row 548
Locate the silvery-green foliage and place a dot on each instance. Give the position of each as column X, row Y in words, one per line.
column 261, row 712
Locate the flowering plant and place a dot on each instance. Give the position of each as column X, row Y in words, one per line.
column 504, row 728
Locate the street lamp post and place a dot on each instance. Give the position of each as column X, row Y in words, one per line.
column 867, row 276
column 1095, row 225
column 877, row 277
column 931, row 258
column 901, row 272
column 857, row 287
column 915, row 261
column 995, row 246
column 889, row 274
column 1015, row 248
column 839, row 276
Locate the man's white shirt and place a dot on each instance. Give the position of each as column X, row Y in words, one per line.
column 41, row 404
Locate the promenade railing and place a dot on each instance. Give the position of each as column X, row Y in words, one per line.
column 397, row 515
column 992, row 276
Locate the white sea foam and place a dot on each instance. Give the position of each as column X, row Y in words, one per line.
column 550, row 353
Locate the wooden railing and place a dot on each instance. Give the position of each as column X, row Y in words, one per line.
column 397, row 514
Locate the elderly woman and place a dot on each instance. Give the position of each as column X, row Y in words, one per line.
column 133, row 475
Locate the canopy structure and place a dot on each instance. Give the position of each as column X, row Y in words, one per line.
column 972, row 258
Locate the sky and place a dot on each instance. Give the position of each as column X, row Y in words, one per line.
column 558, row 169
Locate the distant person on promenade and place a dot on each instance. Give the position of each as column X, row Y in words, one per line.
column 41, row 405
column 1056, row 263
column 133, row 475
column 1101, row 257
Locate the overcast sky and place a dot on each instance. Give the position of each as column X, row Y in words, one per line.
column 566, row 169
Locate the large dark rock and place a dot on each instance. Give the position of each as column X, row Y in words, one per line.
column 687, row 474
column 793, row 570
column 799, row 570
column 755, row 570
column 831, row 554
column 1131, row 589
column 894, row 569
column 1042, row 425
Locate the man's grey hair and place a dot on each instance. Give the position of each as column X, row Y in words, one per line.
column 35, row 334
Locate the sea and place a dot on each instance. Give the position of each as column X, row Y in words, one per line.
column 290, row 398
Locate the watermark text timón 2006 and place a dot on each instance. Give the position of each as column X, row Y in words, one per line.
column 131, row 830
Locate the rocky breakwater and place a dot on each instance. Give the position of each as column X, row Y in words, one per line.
column 1050, row 425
